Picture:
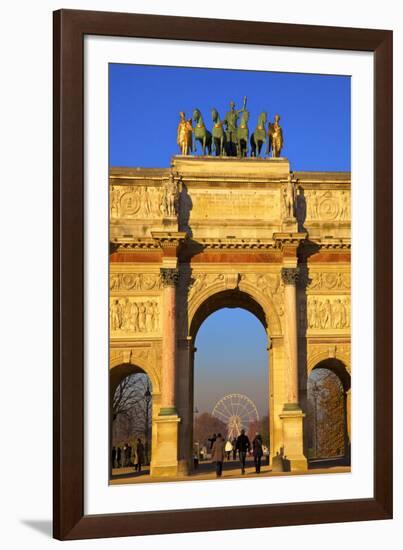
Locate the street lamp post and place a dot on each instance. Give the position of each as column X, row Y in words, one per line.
column 147, row 398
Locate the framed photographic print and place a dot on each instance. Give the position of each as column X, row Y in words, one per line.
column 223, row 266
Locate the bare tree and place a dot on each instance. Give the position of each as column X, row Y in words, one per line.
column 131, row 410
column 205, row 426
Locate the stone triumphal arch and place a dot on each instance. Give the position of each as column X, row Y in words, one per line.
column 211, row 232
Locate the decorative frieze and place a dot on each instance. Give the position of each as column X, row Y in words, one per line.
column 134, row 282
column 328, row 280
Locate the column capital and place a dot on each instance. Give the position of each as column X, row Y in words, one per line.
column 169, row 276
column 289, row 275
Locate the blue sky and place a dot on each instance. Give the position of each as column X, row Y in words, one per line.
column 315, row 116
column 231, row 357
column 145, row 102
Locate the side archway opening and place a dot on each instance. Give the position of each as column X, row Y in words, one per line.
column 328, row 413
column 131, row 396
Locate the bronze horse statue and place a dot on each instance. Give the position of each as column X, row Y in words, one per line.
column 202, row 135
column 218, row 134
column 258, row 137
column 243, row 135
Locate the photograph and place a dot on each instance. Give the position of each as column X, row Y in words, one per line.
column 229, row 274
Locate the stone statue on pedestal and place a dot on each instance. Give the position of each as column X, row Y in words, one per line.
column 289, row 196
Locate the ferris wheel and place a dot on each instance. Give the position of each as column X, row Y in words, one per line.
column 237, row 411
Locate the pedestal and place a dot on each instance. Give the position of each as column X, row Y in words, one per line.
column 165, row 455
column 294, row 459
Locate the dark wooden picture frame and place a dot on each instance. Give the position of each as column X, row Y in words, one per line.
column 70, row 27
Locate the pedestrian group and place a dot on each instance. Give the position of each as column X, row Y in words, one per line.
column 127, row 456
column 221, row 449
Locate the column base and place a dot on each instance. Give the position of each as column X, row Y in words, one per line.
column 183, row 467
column 295, row 464
column 164, row 461
column 294, row 459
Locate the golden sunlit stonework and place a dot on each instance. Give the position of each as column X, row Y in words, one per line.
column 213, row 232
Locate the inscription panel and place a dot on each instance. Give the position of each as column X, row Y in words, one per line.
column 232, row 205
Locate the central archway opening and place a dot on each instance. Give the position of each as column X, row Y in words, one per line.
column 231, row 379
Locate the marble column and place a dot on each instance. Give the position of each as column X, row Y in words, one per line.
column 289, row 276
column 169, row 277
column 164, row 461
column 292, row 415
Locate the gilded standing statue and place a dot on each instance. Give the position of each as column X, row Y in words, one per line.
column 276, row 142
column 184, row 134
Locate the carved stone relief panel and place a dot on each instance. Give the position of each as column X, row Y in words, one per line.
column 327, row 205
column 267, row 284
column 270, row 284
column 135, row 317
column 131, row 202
column 325, row 313
column 200, row 281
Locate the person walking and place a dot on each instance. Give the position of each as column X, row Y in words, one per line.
column 134, row 456
column 242, row 446
column 234, row 449
column 257, row 445
column 124, row 455
column 218, row 454
column 228, row 449
column 128, row 455
column 118, row 457
column 140, row 454
column 113, row 457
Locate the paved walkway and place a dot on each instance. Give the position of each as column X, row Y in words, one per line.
column 206, row 470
